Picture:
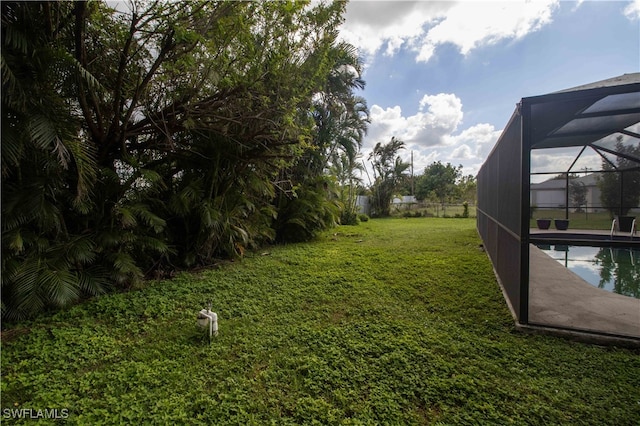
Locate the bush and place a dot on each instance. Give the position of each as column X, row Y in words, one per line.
column 349, row 218
column 311, row 211
column 416, row 213
column 363, row 217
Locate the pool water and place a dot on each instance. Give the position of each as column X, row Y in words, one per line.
column 610, row 268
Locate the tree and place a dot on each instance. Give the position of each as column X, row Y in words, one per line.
column 340, row 117
column 468, row 188
column 150, row 137
column 623, row 175
column 578, row 193
column 48, row 170
column 439, row 182
column 339, row 121
column 344, row 169
column 389, row 172
column 617, row 267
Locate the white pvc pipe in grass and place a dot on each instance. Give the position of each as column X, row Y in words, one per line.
column 206, row 317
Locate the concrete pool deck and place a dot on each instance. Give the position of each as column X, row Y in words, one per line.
column 560, row 299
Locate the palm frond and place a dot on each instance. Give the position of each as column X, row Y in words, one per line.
column 23, row 289
column 149, row 218
column 125, row 268
column 154, row 244
column 81, row 249
column 83, row 156
column 89, row 79
column 210, row 216
column 13, row 94
column 93, row 281
column 60, row 286
column 15, row 241
column 126, row 217
column 42, row 132
column 12, row 145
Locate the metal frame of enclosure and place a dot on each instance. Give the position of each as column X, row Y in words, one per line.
column 583, row 116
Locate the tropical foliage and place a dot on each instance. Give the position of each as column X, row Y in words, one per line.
column 439, row 182
column 389, row 173
column 340, row 120
column 347, row 173
column 158, row 135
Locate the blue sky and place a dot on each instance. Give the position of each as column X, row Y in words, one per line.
column 445, row 77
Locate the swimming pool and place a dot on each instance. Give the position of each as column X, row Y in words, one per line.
column 613, row 269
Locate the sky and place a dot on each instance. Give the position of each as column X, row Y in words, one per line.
column 445, row 77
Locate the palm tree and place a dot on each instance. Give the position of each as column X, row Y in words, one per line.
column 346, row 171
column 341, row 118
column 389, row 172
column 340, row 121
column 47, row 168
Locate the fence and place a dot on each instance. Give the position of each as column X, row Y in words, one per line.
column 425, row 209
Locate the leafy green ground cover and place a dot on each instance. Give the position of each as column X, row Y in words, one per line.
column 395, row 321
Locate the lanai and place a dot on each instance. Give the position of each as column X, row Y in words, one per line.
column 601, row 117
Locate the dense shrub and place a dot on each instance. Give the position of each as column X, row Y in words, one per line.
column 349, row 217
column 140, row 141
column 311, row 210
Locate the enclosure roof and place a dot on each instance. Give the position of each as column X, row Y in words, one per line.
column 615, row 81
column 586, row 114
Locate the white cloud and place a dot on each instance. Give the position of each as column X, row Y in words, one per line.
column 384, row 124
column 470, row 25
column 370, row 25
column 577, row 5
column 481, row 136
column 462, row 152
column 423, row 26
column 473, row 145
column 444, row 111
column 432, row 133
column 438, row 116
column 555, row 160
column 632, row 11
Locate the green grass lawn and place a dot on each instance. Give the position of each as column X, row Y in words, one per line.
column 577, row 220
column 394, row 321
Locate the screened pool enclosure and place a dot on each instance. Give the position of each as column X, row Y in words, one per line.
column 572, row 160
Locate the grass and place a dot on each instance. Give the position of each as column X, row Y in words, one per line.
column 577, row 220
column 394, row 321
